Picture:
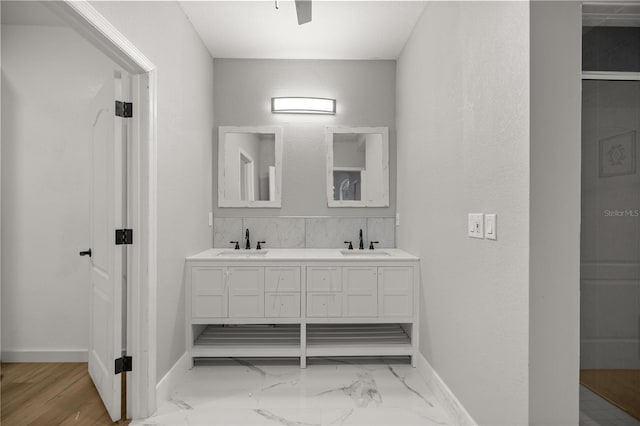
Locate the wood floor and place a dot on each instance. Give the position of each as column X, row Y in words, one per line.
column 620, row 387
column 50, row 394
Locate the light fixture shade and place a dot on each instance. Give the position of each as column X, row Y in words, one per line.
column 300, row 105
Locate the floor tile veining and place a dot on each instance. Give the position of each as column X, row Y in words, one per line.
column 329, row 392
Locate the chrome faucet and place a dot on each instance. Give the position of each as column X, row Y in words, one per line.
column 361, row 246
column 247, row 244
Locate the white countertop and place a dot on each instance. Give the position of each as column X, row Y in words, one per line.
column 284, row 254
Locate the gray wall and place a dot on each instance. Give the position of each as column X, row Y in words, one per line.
column 555, row 212
column 365, row 94
column 463, row 147
column 49, row 78
column 185, row 126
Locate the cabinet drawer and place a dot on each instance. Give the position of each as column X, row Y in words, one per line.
column 320, row 279
column 324, row 304
column 282, row 279
column 282, row 305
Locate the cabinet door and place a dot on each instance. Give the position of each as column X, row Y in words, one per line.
column 208, row 292
column 360, row 291
column 324, row 305
column 282, row 305
column 246, row 292
column 395, row 291
column 324, row 278
column 286, row 278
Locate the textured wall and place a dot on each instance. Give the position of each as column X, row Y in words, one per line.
column 463, row 147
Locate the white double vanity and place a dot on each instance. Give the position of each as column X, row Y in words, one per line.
column 302, row 303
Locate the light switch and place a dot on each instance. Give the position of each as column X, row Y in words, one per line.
column 490, row 225
column 476, row 225
column 210, row 218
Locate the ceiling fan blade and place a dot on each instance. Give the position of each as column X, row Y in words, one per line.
column 303, row 10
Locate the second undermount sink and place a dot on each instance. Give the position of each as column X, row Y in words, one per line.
column 363, row 253
column 243, row 253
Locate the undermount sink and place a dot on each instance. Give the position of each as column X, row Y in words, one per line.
column 243, row 253
column 367, row 253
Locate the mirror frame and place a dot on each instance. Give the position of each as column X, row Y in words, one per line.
column 384, row 131
column 277, row 132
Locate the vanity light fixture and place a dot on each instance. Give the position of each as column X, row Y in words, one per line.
column 301, row 105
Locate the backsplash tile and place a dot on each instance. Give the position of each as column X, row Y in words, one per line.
column 382, row 229
column 331, row 232
column 301, row 232
column 278, row 232
column 226, row 229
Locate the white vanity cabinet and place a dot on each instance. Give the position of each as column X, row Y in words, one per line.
column 395, row 286
column 209, row 291
column 220, row 292
column 324, row 291
column 282, row 292
column 246, row 291
column 302, row 303
column 360, row 291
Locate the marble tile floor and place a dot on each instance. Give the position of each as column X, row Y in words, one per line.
column 596, row 411
column 330, row 391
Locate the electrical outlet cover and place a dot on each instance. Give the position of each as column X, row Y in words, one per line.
column 475, row 226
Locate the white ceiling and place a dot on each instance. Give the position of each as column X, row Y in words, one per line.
column 339, row 29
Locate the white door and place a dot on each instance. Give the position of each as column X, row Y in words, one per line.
column 105, row 344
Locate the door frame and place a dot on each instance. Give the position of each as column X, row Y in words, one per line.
column 142, row 189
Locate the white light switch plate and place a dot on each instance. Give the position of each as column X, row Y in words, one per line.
column 475, row 226
column 491, row 226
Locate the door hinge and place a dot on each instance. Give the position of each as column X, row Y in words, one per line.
column 123, row 364
column 124, row 109
column 124, row 236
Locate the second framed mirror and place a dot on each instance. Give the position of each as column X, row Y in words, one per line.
column 357, row 166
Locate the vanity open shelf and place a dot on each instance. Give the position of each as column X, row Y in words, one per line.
column 277, row 340
column 302, row 303
column 357, row 340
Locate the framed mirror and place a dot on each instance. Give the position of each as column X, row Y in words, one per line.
column 249, row 166
column 357, row 166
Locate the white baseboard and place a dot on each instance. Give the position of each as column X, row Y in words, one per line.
column 45, row 356
column 443, row 394
column 172, row 378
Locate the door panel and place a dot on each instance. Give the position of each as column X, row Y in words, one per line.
column 395, row 291
column 360, row 290
column 209, row 293
column 246, row 292
column 106, row 261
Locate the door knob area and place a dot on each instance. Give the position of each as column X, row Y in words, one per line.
column 86, row 253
